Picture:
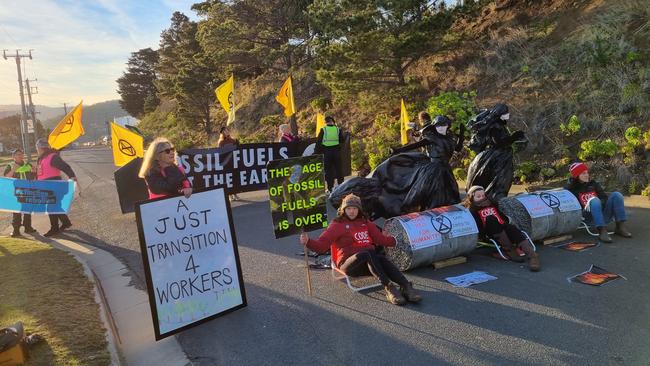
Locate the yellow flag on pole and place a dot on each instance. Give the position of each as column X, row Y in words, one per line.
column 127, row 145
column 226, row 96
column 320, row 122
column 403, row 121
column 68, row 129
column 285, row 98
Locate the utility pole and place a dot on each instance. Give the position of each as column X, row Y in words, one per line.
column 23, row 117
column 65, row 108
column 32, row 109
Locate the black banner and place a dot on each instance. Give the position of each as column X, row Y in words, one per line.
column 297, row 195
column 236, row 169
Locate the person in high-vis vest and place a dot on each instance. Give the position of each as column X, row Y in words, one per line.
column 329, row 144
column 20, row 169
column 49, row 167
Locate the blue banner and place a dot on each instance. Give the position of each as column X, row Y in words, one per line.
column 36, row 196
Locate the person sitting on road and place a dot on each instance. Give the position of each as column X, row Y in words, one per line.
column 354, row 238
column 49, row 167
column 598, row 207
column 20, row 169
column 160, row 172
column 496, row 225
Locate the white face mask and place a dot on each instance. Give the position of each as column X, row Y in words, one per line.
column 505, row 117
column 441, row 130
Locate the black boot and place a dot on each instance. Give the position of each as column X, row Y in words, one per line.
column 603, row 235
column 533, row 258
column 16, row 233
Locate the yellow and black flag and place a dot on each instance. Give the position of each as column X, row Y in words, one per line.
column 285, row 98
column 68, row 130
column 226, row 96
column 403, row 122
column 320, row 122
column 127, row 145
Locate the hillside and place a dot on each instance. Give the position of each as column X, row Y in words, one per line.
column 575, row 73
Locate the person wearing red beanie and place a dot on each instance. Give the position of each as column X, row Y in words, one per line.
column 598, row 207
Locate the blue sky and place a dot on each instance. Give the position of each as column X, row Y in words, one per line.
column 80, row 47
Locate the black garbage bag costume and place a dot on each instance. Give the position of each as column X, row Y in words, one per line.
column 493, row 167
column 409, row 181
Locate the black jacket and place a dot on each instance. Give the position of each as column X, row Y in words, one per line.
column 475, row 211
column 170, row 183
column 584, row 191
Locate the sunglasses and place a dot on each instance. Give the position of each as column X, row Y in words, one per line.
column 168, row 150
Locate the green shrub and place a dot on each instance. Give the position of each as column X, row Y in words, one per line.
column 459, row 107
column 546, row 173
column 320, row 104
column 460, row 173
column 646, row 191
column 572, row 126
column 385, row 134
column 594, row 149
column 633, row 136
column 359, row 159
column 526, row 171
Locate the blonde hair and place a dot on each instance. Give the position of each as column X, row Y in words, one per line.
column 150, row 159
column 284, row 128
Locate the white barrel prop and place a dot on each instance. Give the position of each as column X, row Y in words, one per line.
column 544, row 214
column 432, row 235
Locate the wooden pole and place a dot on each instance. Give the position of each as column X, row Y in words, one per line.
column 308, row 272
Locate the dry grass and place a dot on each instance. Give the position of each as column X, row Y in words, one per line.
column 47, row 290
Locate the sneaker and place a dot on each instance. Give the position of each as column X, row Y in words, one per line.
column 51, row 232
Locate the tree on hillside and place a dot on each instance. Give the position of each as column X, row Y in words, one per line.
column 136, row 85
column 252, row 36
column 361, row 44
column 186, row 74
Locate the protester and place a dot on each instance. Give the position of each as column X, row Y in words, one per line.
column 329, row 144
column 160, row 171
column 491, row 139
column 434, row 183
column 225, row 140
column 496, row 225
column 20, row 169
column 354, row 238
column 598, row 207
column 49, row 167
column 285, row 134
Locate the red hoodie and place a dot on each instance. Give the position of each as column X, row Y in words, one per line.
column 349, row 237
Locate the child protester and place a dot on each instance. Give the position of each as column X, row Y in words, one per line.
column 598, row 207
column 496, row 225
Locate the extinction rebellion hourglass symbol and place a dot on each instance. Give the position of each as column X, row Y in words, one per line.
column 126, row 148
column 442, row 224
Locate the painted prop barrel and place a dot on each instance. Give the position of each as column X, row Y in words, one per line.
column 543, row 214
column 432, row 235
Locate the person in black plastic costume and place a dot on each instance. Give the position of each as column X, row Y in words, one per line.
column 493, row 167
column 434, row 183
column 410, row 181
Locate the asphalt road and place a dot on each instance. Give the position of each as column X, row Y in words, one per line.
column 522, row 318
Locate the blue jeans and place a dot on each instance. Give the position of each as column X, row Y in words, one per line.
column 614, row 210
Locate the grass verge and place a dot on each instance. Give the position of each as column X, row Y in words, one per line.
column 47, row 290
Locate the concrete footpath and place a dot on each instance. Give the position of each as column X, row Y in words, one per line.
column 124, row 309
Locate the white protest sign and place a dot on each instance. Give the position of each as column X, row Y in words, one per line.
column 191, row 261
column 534, row 205
column 561, row 199
column 455, row 220
column 420, row 230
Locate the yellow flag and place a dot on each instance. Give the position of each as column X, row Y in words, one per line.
column 404, row 120
column 285, row 98
column 226, row 96
column 320, row 122
column 68, row 130
column 127, row 145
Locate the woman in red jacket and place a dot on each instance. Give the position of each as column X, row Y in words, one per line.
column 354, row 238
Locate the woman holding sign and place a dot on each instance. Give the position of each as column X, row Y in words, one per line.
column 354, row 238
column 598, row 207
column 159, row 169
column 494, row 224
